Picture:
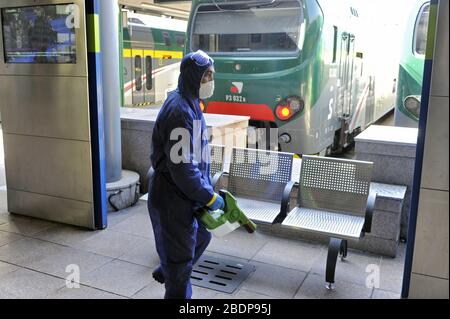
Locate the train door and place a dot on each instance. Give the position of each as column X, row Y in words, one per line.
column 137, row 71
column 346, row 67
column 149, row 89
column 143, row 89
column 346, row 89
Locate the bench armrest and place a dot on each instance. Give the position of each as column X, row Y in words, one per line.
column 216, row 178
column 285, row 202
column 369, row 212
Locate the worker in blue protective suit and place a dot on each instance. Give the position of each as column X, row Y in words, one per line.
column 181, row 182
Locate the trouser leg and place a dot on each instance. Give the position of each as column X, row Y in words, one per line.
column 202, row 242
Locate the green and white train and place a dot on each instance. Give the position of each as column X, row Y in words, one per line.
column 151, row 55
column 297, row 65
column 411, row 68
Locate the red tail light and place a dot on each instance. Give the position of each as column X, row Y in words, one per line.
column 284, row 112
column 289, row 107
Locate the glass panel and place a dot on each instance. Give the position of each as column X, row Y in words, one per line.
column 39, row 34
column 138, row 72
column 335, row 36
column 181, row 39
column 149, row 70
column 166, row 37
column 264, row 29
column 420, row 41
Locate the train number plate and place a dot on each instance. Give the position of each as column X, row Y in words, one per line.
column 235, row 98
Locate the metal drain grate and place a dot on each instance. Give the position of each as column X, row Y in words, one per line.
column 220, row 274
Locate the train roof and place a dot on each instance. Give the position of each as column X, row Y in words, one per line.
column 149, row 21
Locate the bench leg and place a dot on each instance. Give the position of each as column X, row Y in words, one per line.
column 334, row 248
column 343, row 250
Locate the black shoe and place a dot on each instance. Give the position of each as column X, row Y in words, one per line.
column 158, row 275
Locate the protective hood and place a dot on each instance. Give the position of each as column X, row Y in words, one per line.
column 193, row 66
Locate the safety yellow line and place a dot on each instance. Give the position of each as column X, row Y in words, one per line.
column 158, row 54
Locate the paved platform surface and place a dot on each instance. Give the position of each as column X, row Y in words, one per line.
column 117, row 262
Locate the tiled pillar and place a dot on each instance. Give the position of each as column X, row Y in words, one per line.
column 430, row 259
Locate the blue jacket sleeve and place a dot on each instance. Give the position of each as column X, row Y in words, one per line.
column 181, row 163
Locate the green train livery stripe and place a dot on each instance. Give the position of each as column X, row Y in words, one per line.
column 93, row 31
column 431, row 31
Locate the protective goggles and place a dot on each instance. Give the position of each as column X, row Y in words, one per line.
column 201, row 58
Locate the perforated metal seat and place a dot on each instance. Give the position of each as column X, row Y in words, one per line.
column 259, row 211
column 217, row 158
column 333, row 200
column 324, row 222
column 259, row 179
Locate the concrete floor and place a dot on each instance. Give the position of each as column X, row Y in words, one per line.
column 117, row 262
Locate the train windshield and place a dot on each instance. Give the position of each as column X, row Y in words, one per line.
column 265, row 29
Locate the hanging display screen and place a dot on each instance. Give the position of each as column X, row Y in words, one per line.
column 40, row 34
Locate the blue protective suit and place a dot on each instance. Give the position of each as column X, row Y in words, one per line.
column 177, row 190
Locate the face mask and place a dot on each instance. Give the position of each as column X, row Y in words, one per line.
column 206, row 90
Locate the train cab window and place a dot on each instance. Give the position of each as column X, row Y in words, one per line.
column 249, row 30
column 138, row 72
column 421, row 29
column 166, row 38
column 149, row 71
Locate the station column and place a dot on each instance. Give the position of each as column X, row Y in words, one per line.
column 122, row 186
column 427, row 261
column 109, row 39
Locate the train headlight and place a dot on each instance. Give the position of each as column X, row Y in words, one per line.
column 295, row 103
column 289, row 107
column 412, row 105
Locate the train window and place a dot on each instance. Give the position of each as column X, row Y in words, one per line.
column 335, row 34
column 250, row 30
column 149, row 72
column 138, row 72
column 167, row 40
column 135, row 21
column 181, row 40
column 256, row 38
column 421, row 29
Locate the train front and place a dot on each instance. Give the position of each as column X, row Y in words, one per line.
column 258, row 48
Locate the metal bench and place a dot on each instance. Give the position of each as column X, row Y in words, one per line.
column 216, row 166
column 217, row 161
column 333, row 200
column 261, row 182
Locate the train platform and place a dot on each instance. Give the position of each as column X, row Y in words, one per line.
column 118, row 262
